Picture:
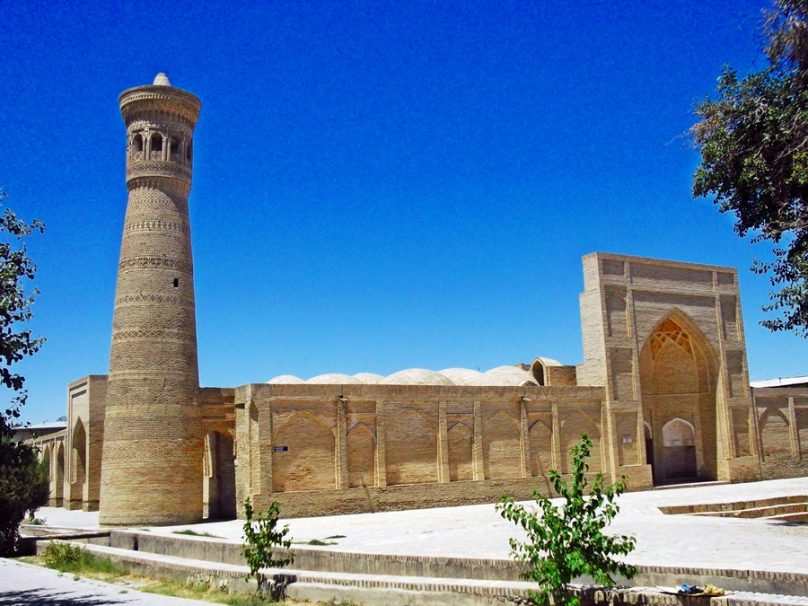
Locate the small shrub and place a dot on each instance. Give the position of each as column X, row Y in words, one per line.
column 66, row 557
column 567, row 541
column 261, row 535
column 34, row 521
column 63, row 557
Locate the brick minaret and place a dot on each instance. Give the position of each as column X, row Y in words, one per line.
column 152, row 458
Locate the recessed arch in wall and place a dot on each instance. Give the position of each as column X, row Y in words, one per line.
column 774, row 432
column 59, row 473
column 303, row 453
column 541, row 448
column 502, row 452
column 461, row 451
column 678, row 375
column 411, row 447
column 361, row 455
column 572, row 428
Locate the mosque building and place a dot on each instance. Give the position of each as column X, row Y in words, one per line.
column 663, row 390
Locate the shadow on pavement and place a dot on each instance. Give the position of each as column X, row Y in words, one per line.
column 51, row 597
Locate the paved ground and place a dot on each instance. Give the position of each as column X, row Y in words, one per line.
column 478, row 531
column 27, row 585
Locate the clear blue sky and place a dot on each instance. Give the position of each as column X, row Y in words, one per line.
column 377, row 185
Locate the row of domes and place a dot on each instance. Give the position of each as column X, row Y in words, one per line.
column 504, row 376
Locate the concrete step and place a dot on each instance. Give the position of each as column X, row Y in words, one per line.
column 317, row 585
column 767, row 511
column 329, row 560
column 794, row 518
column 733, row 506
column 396, row 590
column 695, row 484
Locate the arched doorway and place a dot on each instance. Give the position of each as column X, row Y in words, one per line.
column 678, row 380
column 649, row 444
column 59, row 475
column 219, row 477
column 679, row 443
column 78, row 466
column 47, row 462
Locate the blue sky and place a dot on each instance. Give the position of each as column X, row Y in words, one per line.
column 377, row 185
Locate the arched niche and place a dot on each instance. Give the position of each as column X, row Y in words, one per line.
column 501, row 446
column 361, row 455
column 541, row 448
column 572, row 429
column 678, row 374
column 460, row 439
column 774, row 432
column 303, row 454
column 59, row 474
column 411, row 448
column 78, row 464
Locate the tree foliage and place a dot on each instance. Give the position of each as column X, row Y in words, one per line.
column 24, row 487
column 567, row 541
column 21, row 476
column 753, row 140
column 262, row 536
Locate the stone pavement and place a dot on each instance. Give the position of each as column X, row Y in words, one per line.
column 477, row 531
column 28, row 585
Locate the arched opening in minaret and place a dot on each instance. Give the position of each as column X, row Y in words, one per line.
column 137, row 143
column 156, row 145
column 189, row 151
column 678, row 375
column 173, row 149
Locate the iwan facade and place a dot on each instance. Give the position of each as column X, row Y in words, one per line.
column 663, row 390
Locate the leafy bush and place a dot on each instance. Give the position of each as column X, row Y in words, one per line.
column 63, row 556
column 23, row 488
column 567, row 541
column 66, row 557
column 261, row 535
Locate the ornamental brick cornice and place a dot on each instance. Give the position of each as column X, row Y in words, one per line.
column 142, row 99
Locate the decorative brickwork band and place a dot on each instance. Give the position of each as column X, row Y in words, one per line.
column 146, row 335
column 158, row 226
column 156, row 263
column 146, row 298
column 167, row 169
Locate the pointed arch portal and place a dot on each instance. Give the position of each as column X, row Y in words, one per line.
column 678, row 380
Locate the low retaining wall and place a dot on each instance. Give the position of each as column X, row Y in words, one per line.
column 229, row 552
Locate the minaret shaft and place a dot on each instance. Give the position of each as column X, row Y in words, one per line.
column 152, row 458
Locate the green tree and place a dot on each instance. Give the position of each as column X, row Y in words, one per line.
column 20, row 473
column 753, row 140
column 261, row 537
column 567, row 541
